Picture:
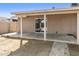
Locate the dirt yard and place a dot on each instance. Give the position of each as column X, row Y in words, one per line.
column 11, row 47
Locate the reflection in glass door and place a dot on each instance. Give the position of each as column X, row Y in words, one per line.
column 39, row 25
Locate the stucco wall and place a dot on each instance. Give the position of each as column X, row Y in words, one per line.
column 65, row 23
column 13, row 27
column 4, row 27
column 62, row 23
column 28, row 23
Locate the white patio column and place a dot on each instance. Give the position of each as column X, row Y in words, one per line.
column 21, row 27
column 77, row 27
column 21, row 31
column 44, row 26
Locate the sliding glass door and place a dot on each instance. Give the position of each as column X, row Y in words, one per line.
column 39, row 25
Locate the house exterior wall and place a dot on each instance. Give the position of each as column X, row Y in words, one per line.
column 28, row 24
column 62, row 23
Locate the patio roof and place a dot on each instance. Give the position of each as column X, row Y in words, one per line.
column 74, row 9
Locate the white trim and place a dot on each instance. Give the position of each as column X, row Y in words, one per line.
column 44, row 26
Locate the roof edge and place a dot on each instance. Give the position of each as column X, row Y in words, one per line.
column 46, row 10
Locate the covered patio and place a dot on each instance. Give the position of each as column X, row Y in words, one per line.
column 59, row 25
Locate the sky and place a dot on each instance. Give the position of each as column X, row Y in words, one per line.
column 7, row 8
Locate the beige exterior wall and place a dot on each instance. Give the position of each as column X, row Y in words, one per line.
column 29, row 23
column 4, row 27
column 62, row 23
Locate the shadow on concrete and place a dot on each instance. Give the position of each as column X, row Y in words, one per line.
column 33, row 48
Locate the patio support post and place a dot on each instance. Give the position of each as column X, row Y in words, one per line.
column 44, row 26
column 21, row 31
column 21, row 26
column 78, row 27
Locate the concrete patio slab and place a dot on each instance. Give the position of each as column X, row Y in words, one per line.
column 40, row 36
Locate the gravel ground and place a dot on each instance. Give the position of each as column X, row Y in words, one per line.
column 11, row 47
